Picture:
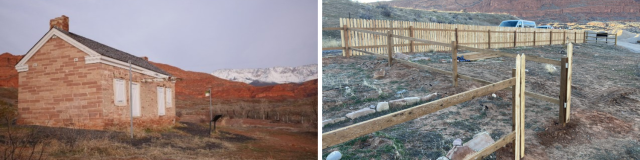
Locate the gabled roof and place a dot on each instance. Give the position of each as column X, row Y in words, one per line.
column 111, row 52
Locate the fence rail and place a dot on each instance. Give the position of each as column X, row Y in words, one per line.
column 482, row 37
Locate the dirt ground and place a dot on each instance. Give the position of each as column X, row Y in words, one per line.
column 184, row 141
column 605, row 111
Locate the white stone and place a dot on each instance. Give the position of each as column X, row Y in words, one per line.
column 360, row 113
column 382, row 106
column 335, row 155
column 480, row 141
column 397, row 103
column 412, row 100
column 428, row 97
column 332, row 121
column 457, row 142
column 442, row 158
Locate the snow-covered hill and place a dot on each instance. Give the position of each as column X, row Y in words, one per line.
column 270, row 76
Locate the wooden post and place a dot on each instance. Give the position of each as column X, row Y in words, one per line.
column 514, row 38
column 568, row 90
column 456, row 34
column 575, row 37
column 489, row 42
column 550, row 37
column 411, row 34
column 563, row 91
column 390, row 46
column 522, row 100
column 564, row 37
column 516, row 145
column 584, row 40
column 534, row 38
column 347, row 51
column 513, row 102
column 454, row 56
column 616, row 42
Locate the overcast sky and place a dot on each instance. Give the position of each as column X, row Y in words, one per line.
column 193, row 35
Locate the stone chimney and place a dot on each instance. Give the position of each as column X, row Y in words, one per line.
column 61, row 22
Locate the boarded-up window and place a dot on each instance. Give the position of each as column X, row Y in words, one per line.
column 119, row 91
column 135, row 92
column 160, row 91
column 169, row 97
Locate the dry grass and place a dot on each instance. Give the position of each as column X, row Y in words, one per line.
column 330, row 42
column 184, row 141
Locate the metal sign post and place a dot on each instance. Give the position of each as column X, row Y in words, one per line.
column 131, row 99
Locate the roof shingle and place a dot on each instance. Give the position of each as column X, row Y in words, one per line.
column 113, row 53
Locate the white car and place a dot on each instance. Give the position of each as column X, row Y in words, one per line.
column 518, row 23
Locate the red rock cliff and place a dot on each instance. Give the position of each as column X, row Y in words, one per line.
column 8, row 73
column 538, row 10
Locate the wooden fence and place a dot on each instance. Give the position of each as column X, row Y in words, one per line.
column 605, row 37
column 516, row 83
column 482, row 37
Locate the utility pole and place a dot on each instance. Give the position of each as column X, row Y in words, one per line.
column 131, row 99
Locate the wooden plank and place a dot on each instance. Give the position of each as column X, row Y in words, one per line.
column 454, row 62
column 489, row 39
column 492, row 148
column 412, row 36
column 515, row 34
column 517, row 107
column 532, row 58
column 513, row 102
column 477, row 56
column 347, row 52
column 522, row 103
column 542, row 97
column 350, row 132
column 570, row 64
column 550, row 37
column 563, row 92
column 332, row 48
column 390, row 46
column 534, row 38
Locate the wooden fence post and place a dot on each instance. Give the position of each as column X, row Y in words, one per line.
column 575, row 37
column 616, row 42
column 411, row 34
column 534, row 38
column 550, row 37
column 563, row 91
column 390, row 46
column 568, row 90
column 584, row 40
column 514, row 38
column 347, row 51
column 522, row 106
column 489, row 42
column 454, row 61
column 516, row 107
column 513, row 102
column 456, row 34
column 564, row 37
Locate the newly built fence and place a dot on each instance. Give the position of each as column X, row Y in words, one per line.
column 482, row 37
column 516, row 83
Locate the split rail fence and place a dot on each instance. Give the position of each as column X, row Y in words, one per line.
column 518, row 77
column 482, row 37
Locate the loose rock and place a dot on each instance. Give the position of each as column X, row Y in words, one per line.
column 360, row 113
column 335, row 155
column 480, row 141
column 382, row 106
column 412, row 100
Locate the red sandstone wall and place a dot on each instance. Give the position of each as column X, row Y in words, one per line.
column 120, row 115
column 62, row 93
column 58, row 91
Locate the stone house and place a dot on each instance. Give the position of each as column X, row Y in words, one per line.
column 67, row 80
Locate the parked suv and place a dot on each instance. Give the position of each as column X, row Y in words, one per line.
column 518, row 23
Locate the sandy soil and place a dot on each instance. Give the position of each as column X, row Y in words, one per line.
column 605, row 114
